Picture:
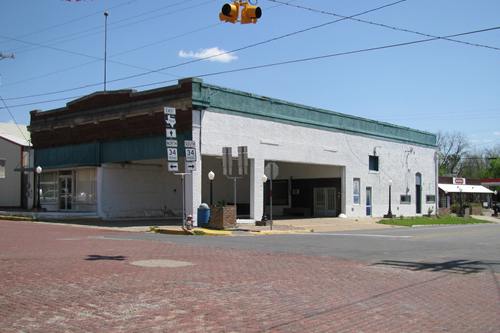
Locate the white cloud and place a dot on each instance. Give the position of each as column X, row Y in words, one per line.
column 212, row 53
column 497, row 133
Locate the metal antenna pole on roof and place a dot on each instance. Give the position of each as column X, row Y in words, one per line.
column 105, row 44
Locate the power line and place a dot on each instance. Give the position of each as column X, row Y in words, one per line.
column 333, row 55
column 385, row 25
column 287, row 62
column 212, row 56
column 78, row 54
column 13, row 119
column 99, row 29
column 161, row 41
column 39, row 31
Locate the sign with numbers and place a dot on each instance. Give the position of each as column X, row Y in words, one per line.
column 190, row 154
column 171, row 154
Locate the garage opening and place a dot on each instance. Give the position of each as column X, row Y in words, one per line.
column 304, row 190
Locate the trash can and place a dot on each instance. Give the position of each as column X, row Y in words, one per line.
column 203, row 215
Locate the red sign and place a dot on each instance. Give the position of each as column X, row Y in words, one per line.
column 458, row 181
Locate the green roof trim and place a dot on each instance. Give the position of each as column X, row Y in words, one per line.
column 96, row 153
column 219, row 99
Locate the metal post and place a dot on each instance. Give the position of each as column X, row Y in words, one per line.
column 235, row 206
column 105, row 45
column 183, row 202
column 38, row 206
column 211, row 193
column 390, row 192
column 271, row 198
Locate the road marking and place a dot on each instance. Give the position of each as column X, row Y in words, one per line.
column 161, row 263
column 359, row 235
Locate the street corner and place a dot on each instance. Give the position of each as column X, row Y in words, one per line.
column 193, row 232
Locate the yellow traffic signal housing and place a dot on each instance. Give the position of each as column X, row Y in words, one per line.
column 230, row 12
column 250, row 14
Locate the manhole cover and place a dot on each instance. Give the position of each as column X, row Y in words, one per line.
column 161, row 263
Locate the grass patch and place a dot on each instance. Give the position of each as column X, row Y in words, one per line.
column 424, row 220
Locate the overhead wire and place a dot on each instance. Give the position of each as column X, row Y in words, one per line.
column 384, row 25
column 273, row 39
column 158, row 42
column 39, row 31
column 114, row 25
column 13, row 119
column 293, row 61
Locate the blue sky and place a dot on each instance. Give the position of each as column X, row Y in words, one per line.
column 432, row 86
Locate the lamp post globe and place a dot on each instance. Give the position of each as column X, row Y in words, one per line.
column 38, row 170
column 211, row 177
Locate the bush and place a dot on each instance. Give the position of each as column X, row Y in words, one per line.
column 455, row 208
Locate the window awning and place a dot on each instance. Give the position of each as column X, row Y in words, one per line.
column 450, row 188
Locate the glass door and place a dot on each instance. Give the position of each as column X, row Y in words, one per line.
column 65, row 191
column 324, row 201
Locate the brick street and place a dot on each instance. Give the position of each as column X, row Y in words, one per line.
column 57, row 278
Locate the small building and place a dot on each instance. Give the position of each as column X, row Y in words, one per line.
column 16, row 190
column 492, row 184
column 107, row 153
column 462, row 191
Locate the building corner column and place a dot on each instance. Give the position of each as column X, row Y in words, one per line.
column 193, row 181
column 256, row 189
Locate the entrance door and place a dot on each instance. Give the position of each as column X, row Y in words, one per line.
column 368, row 201
column 418, row 192
column 65, row 191
column 324, row 201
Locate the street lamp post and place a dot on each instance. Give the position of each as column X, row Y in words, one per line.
column 264, row 180
column 211, row 177
column 461, row 213
column 38, row 176
column 389, row 212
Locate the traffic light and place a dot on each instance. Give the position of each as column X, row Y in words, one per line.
column 230, row 12
column 250, row 14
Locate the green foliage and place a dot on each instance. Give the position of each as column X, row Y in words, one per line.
column 424, row 220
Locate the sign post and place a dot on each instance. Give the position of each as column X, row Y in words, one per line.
column 171, row 143
column 227, row 167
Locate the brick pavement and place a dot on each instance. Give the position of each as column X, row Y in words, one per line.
column 49, row 285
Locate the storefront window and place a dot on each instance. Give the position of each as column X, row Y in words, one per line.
column 48, row 187
column 85, row 186
column 355, row 191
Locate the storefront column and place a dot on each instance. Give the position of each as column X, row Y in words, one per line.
column 256, row 189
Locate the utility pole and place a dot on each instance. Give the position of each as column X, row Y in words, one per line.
column 105, row 45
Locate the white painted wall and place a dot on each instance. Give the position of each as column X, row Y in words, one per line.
column 132, row 190
column 10, row 186
column 267, row 140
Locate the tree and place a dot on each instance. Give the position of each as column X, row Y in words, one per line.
column 452, row 149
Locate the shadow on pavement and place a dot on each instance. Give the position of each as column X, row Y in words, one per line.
column 92, row 257
column 452, row 266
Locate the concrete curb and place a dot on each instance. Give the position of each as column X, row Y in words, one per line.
column 194, row 231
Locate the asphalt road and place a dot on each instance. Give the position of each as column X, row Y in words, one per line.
column 449, row 248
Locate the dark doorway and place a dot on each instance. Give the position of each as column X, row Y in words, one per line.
column 418, row 192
